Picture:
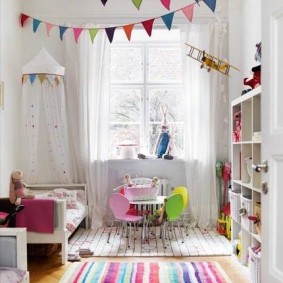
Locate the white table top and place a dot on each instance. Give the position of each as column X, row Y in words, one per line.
column 158, row 200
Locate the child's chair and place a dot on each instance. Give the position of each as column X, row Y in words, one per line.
column 119, row 205
column 185, row 195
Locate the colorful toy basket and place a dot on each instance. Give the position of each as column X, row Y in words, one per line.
column 142, row 192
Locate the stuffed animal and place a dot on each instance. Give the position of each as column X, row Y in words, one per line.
column 162, row 146
column 128, row 181
column 155, row 182
column 17, row 187
column 256, row 79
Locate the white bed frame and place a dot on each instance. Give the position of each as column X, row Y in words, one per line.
column 60, row 234
column 21, row 247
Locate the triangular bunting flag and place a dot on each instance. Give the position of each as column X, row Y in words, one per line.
column 48, row 28
column 128, row 30
column 32, row 78
column 104, row 2
column 77, row 32
column 62, row 31
column 41, row 77
column 57, row 80
column 92, row 32
column 35, row 24
column 166, row 3
column 110, row 33
column 23, row 18
column 148, row 26
column 189, row 11
column 24, row 78
column 137, row 3
column 168, row 19
column 211, row 4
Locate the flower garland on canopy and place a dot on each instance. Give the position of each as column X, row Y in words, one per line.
column 147, row 24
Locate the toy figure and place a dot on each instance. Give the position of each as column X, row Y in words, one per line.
column 128, row 181
column 155, row 182
column 162, row 146
column 17, row 188
column 238, row 126
column 159, row 215
column 256, row 80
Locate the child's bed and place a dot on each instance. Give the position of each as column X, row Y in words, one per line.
column 70, row 211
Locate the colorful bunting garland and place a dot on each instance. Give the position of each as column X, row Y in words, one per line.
column 188, row 11
column 166, row 3
column 50, row 78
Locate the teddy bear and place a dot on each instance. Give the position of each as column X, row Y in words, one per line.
column 17, row 187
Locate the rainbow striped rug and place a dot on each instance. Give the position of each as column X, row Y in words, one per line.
column 148, row 272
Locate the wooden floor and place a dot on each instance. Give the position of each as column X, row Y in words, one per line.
column 50, row 269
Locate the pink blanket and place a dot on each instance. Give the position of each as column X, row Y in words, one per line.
column 37, row 216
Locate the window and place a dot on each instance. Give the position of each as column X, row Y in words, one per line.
column 145, row 75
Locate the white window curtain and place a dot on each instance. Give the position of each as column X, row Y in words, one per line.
column 44, row 138
column 87, row 72
column 206, row 132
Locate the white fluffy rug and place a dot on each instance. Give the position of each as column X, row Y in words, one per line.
column 197, row 243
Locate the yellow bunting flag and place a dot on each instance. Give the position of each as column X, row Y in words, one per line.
column 41, row 77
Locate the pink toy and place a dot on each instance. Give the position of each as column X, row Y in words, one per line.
column 238, row 126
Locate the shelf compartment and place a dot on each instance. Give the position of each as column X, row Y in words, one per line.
column 235, row 202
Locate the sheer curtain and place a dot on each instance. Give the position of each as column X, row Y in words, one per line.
column 87, row 91
column 206, row 130
column 44, row 140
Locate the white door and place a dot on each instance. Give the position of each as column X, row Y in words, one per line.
column 272, row 140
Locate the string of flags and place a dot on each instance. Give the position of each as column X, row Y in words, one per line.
column 57, row 79
column 188, row 11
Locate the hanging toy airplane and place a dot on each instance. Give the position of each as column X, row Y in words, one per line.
column 209, row 61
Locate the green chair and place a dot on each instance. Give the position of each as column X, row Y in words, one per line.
column 173, row 209
column 184, row 192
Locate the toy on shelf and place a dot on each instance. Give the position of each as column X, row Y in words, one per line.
column 255, row 81
column 238, row 126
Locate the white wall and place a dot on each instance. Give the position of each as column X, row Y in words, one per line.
column 10, row 73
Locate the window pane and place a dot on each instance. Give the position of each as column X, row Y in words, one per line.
column 164, row 65
column 126, row 65
column 168, row 98
column 125, row 105
column 121, row 133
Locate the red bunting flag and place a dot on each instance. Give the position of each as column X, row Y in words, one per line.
column 48, row 28
column 166, row 3
column 23, row 18
column 189, row 11
column 77, row 33
column 148, row 26
column 128, row 30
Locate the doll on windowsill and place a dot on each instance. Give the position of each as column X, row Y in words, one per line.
column 163, row 143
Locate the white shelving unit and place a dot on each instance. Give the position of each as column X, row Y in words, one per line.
column 245, row 197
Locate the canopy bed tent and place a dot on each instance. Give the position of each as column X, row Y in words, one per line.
column 44, row 129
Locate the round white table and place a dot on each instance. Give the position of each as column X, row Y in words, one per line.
column 153, row 203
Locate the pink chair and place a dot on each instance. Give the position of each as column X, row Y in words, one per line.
column 120, row 205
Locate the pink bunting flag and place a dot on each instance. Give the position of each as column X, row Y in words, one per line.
column 128, row 30
column 48, row 28
column 148, row 26
column 23, row 18
column 77, row 33
column 189, row 11
column 166, row 3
